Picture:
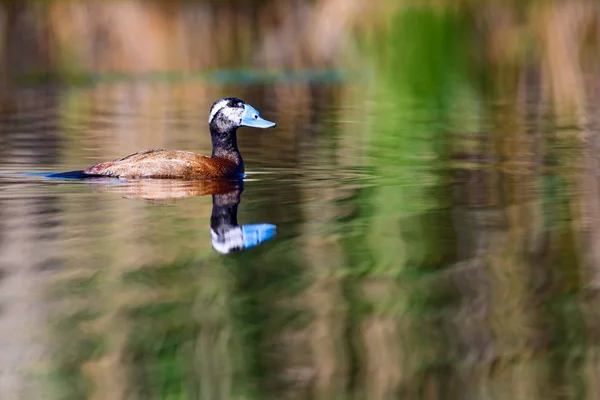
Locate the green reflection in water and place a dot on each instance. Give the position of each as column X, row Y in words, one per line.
column 420, row 69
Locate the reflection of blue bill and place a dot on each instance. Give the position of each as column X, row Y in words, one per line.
column 241, row 237
column 255, row 234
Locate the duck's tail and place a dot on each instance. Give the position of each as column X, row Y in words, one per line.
column 69, row 175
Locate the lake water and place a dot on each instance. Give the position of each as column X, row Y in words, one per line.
column 418, row 251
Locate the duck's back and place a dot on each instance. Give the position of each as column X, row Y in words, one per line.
column 173, row 164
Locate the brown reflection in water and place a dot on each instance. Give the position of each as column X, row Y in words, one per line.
column 30, row 127
column 165, row 190
column 29, row 233
column 500, row 214
column 28, row 239
column 324, row 298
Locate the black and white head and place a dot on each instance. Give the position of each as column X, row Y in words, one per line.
column 230, row 113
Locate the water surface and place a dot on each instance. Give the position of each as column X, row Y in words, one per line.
column 420, row 251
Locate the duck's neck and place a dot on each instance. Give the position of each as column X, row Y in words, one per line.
column 224, row 145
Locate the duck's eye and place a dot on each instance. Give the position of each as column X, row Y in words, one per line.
column 255, row 116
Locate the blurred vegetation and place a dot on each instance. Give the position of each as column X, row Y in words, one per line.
column 461, row 262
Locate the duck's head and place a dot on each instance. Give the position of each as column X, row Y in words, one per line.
column 230, row 113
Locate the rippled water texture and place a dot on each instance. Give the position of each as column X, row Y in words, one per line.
column 423, row 222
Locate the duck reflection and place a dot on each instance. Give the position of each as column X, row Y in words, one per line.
column 226, row 234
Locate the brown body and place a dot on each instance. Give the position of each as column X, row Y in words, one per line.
column 172, row 164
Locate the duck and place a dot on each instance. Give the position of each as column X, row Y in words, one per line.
column 225, row 117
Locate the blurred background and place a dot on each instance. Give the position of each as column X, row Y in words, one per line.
column 433, row 178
